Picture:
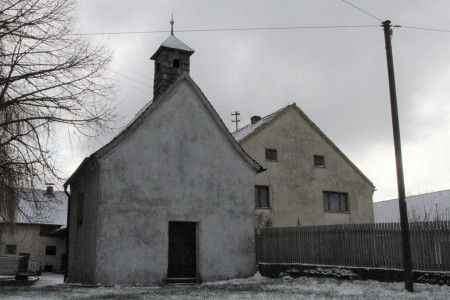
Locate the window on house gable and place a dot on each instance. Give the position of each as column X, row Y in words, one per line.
column 80, row 208
column 262, row 196
column 319, row 161
column 50, row 250
column 335, row 202
column 11, row 249
column 176, row 63
column 271, row 155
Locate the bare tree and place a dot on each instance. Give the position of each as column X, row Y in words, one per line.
column 428, row 214
column 50, row 79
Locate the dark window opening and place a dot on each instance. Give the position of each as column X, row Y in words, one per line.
column 158, row 67
column 319, row 161
column 80, row 208
column 176, row 63
column 335, row 202
column 271, row 155
column 262, row 196
column 50, row 250
column 11, row 249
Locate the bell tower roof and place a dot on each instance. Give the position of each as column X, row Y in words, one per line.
column 172, row 59
column 172, row 43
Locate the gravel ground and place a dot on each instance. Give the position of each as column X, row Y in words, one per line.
column 50, row 286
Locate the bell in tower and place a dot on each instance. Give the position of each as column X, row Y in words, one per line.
column 171, row 60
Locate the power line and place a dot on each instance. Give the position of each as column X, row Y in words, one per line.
column 223, row 107
column 421, row 28
column 131, row 70
column 142, row 90
column 231, row 29
column 134, row 80
column 257, row 29
column 369, row 14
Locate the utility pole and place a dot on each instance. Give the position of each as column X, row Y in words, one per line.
column 236, row 118
column 407, row 265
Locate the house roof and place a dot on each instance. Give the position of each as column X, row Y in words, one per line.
column 173, row 43
column 148, row 109
column 246, row 131
column 424, row 207
column 39, row 207
column 250, row 130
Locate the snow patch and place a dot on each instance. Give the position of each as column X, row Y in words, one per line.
column 257, row 278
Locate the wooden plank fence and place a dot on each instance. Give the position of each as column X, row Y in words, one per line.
column 359, row 245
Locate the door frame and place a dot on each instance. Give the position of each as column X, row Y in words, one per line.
column 198, row 278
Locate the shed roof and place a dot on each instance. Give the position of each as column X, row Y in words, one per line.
column 424, row 207
column 248, row 131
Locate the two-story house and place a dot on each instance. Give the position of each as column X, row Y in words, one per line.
column 308, row 180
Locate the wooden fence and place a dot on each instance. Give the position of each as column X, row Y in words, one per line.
column 359, row 245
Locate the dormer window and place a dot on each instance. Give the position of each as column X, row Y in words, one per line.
column 176, row 63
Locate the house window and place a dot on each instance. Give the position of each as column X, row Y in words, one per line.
column 80, row 208
column 335, row 202
column 271, row 155
column 158, row 67
column 50, row 250
column 11, row 249
column 262, row 196
column 319, row 161
column 176, row 63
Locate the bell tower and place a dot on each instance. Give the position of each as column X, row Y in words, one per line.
column 171, row 60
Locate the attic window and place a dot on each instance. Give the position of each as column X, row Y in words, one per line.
column 319, row 161
column 176, row 63
column 271, row 155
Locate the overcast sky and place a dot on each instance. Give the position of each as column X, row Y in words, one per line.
column 338, row 77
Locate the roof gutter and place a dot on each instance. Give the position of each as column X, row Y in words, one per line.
column 261, row 169
column 68, row 232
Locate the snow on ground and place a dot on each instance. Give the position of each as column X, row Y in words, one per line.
column 256, row 287
column 50, row 279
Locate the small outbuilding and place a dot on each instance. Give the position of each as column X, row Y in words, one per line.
column 171, row 198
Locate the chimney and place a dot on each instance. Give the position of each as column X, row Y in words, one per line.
column 49, row 188
column 255, row 119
